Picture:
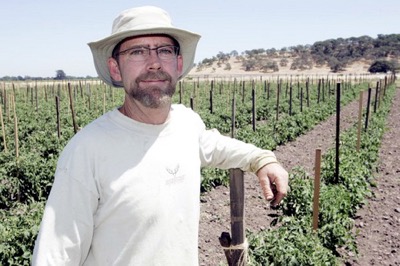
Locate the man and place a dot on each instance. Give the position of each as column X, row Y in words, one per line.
column 126, row 188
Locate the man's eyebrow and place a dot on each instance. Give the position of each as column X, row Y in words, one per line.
column 137, row 46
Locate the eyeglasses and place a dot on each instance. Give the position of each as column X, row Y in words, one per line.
column 139, row 54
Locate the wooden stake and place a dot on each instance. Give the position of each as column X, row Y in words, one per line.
column 253, row 106
column 337, row 141
column 3, row 130
column 277, row 102
column 368, row 108
column 233, row 119
column 317, row 181
column 235, row 248
column 58, row 117
column 15, row 129
column 71, row 104
column 104, row 103
column 359, row 121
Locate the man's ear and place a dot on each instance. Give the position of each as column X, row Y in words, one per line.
column 113, row 67
column 180, row 64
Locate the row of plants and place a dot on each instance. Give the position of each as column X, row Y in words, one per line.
column 270, row 131
column 295, row 242
column 28, row 166
column 26, row 179
column 26, row 176
column 29, row 177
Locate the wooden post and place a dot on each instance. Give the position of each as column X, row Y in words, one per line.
column 15, row 128
column 71, row 104
column 277, row 103
column 104, row 103
column 180, row 91
column 317, row 181
column 233, row 117
column 211, row 100
column 359, row 121
column 253, row 107
column 290, row 99
column 3, row 130
column 235, row 248
column 368, row 109
column 337, row 132
column 307, row 93
column 58, row 116
column 243, row 90
column 376, row 96
column 191, row 103
column 36, row 97
column 301, row 99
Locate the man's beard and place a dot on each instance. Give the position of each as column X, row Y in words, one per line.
column 153, row 96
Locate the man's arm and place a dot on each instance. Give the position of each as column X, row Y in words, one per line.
column 67, row 226
column 224, row 152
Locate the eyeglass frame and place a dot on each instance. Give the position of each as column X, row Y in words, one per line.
column 148, row 52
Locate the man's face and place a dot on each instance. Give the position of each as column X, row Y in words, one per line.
column 151, row 81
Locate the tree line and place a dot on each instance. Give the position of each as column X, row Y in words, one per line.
column 383, row 52
column 60, row 75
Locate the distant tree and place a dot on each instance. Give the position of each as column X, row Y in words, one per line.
column 381, row 66
column 222, row 57
column 283, row 62
column 254, row 52
column 60, row 75
column 335, row 65
column 207, row 61
column 304, row 61
column 234, row 53
column 298, row 49
column 283, row 51
column 249, row 64
column 270, row 65
column 272, row 52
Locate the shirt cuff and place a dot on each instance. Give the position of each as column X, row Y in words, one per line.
column 262, row 161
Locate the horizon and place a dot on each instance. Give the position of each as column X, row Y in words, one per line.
column 45, row 36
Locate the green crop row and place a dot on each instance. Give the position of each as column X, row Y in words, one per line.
column 295, row 242
column 271, row 132
column 27, row 166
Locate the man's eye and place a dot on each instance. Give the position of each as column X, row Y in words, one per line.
column 137, row 51
column 166, row 50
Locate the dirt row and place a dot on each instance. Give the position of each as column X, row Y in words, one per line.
column 378, row 222
column 215, row 212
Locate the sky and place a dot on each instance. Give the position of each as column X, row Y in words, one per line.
column 39, row 37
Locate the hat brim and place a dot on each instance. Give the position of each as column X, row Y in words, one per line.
column 103, row 48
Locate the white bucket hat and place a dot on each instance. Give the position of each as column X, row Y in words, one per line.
column 142, row 21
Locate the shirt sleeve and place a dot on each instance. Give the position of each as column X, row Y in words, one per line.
column 224, row 152
column 66, row 229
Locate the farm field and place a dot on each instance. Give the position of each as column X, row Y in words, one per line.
column 377, row 224
column 379, row 221
column 27, row 166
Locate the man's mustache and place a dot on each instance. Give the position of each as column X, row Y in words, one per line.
column 159, row 75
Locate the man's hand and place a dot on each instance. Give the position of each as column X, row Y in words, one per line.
column 274, row 181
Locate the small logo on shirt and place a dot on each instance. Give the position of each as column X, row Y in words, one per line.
column 173, row 175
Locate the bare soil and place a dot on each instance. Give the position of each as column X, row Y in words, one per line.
column 377, row 223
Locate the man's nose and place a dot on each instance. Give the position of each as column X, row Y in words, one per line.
column 154, row 62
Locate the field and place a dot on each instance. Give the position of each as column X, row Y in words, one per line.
column 291, row 115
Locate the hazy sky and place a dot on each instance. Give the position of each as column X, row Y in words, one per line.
column 38, row 37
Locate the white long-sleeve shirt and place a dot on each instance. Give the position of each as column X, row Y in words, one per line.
column 127, row 193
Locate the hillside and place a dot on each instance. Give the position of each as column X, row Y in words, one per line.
column 236, row 69
column 334, row 56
